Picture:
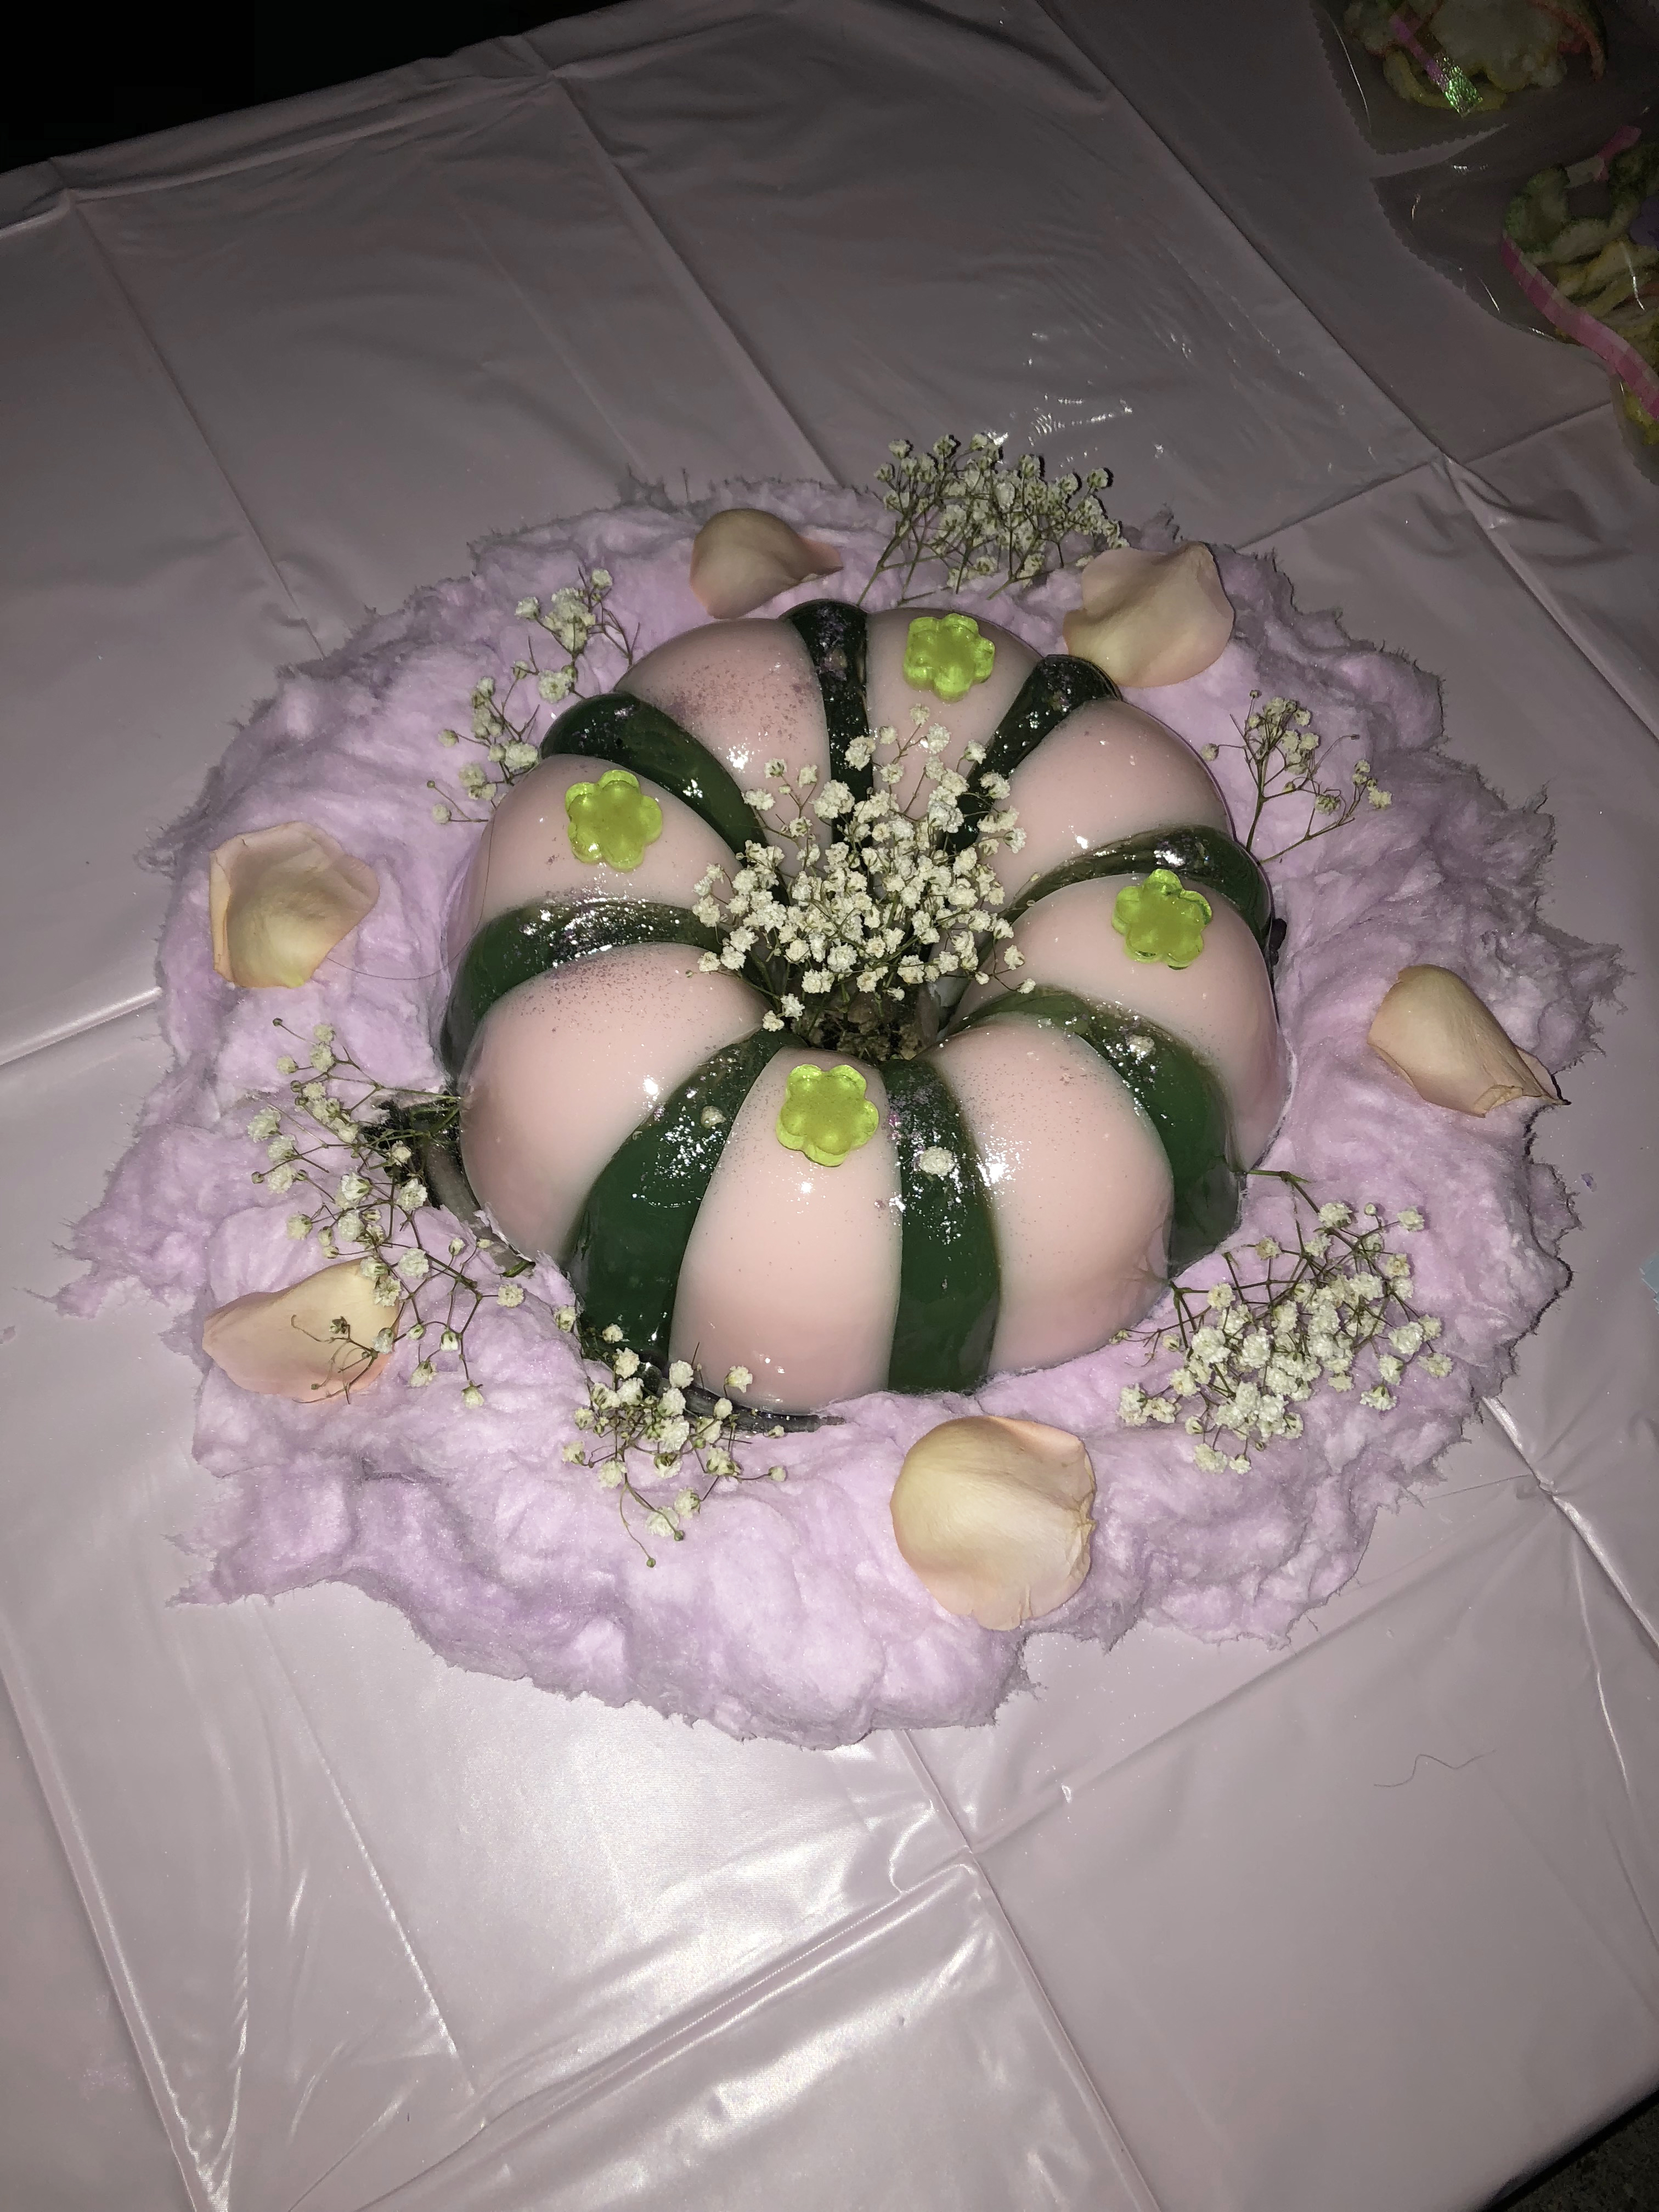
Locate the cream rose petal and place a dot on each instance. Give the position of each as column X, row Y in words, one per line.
column 1151, row 618
column 279, row 1342
column 741, row 558
column 280, row 899
column 992, row 1516
column 1434, row 1031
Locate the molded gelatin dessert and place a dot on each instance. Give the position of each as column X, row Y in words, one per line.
column 723, row 1192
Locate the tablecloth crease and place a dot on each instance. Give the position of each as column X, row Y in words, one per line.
column 756, row 389
column 1561, row 557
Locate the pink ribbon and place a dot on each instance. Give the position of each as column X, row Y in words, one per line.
column 1594, row 172
column 1615, row 353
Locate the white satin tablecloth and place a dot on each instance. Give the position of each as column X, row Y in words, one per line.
column 295, row 1915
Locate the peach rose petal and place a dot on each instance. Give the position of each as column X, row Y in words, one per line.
column 992, row 1516
column 1151, row 618
column 281, row 1343
column 741, row 558
column 1434, row 1031
column 280, row 899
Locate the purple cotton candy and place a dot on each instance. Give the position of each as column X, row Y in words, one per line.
column 787, row 1611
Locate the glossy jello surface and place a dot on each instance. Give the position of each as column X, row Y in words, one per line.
column 1222, row 1004
column 1079, row 1188
column 743, row 690
column 526, row 852
column 722, row 1186
column 1106, row 772
column 793, row 1270
column 971, row 719
column 565, row 1067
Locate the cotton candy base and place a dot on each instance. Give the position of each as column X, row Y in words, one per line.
column 787, row 1610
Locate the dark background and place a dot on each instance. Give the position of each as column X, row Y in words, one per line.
column 144, row 70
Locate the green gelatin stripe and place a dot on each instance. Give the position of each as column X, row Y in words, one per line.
column 528, row 940
column 1056, row 687
column 836, row 636
column 950, row 1283
column 1207, row 857
column 1180, row 1095
column 624, row 1255
column 627, row 732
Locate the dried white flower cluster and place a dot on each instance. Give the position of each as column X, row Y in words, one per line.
column 978, row 516
column 1257, row 1346
column 351, row 1147
column 576, row 617
column 648, row 1437
column 1283, row 750
column 845, row 936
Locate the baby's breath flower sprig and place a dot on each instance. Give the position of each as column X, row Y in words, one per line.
column 577, row 617
column 857, row 940
column 977, row 515
column 1283, row 751
column 646, row 1437
column 1253, row 1347
column 358, row 1156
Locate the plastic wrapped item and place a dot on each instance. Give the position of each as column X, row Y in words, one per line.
column 1453, row 213
column 1593, row 271
column 1423, row 75
column 1638, row 427
column 1557, row 239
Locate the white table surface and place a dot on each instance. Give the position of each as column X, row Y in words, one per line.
column 299, row 1916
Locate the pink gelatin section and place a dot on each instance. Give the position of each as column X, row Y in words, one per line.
column 565, row 1067
column 1222, row 1004
column 744, row 690
column 1109, row 771
column 1080, row 1187
column 971, row 719
column 526, row 853
column 793, row 1269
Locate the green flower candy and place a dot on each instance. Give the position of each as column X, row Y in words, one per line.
column 946, row 655
column 612, row 820
column 826, row 1114
column 1161, row 920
